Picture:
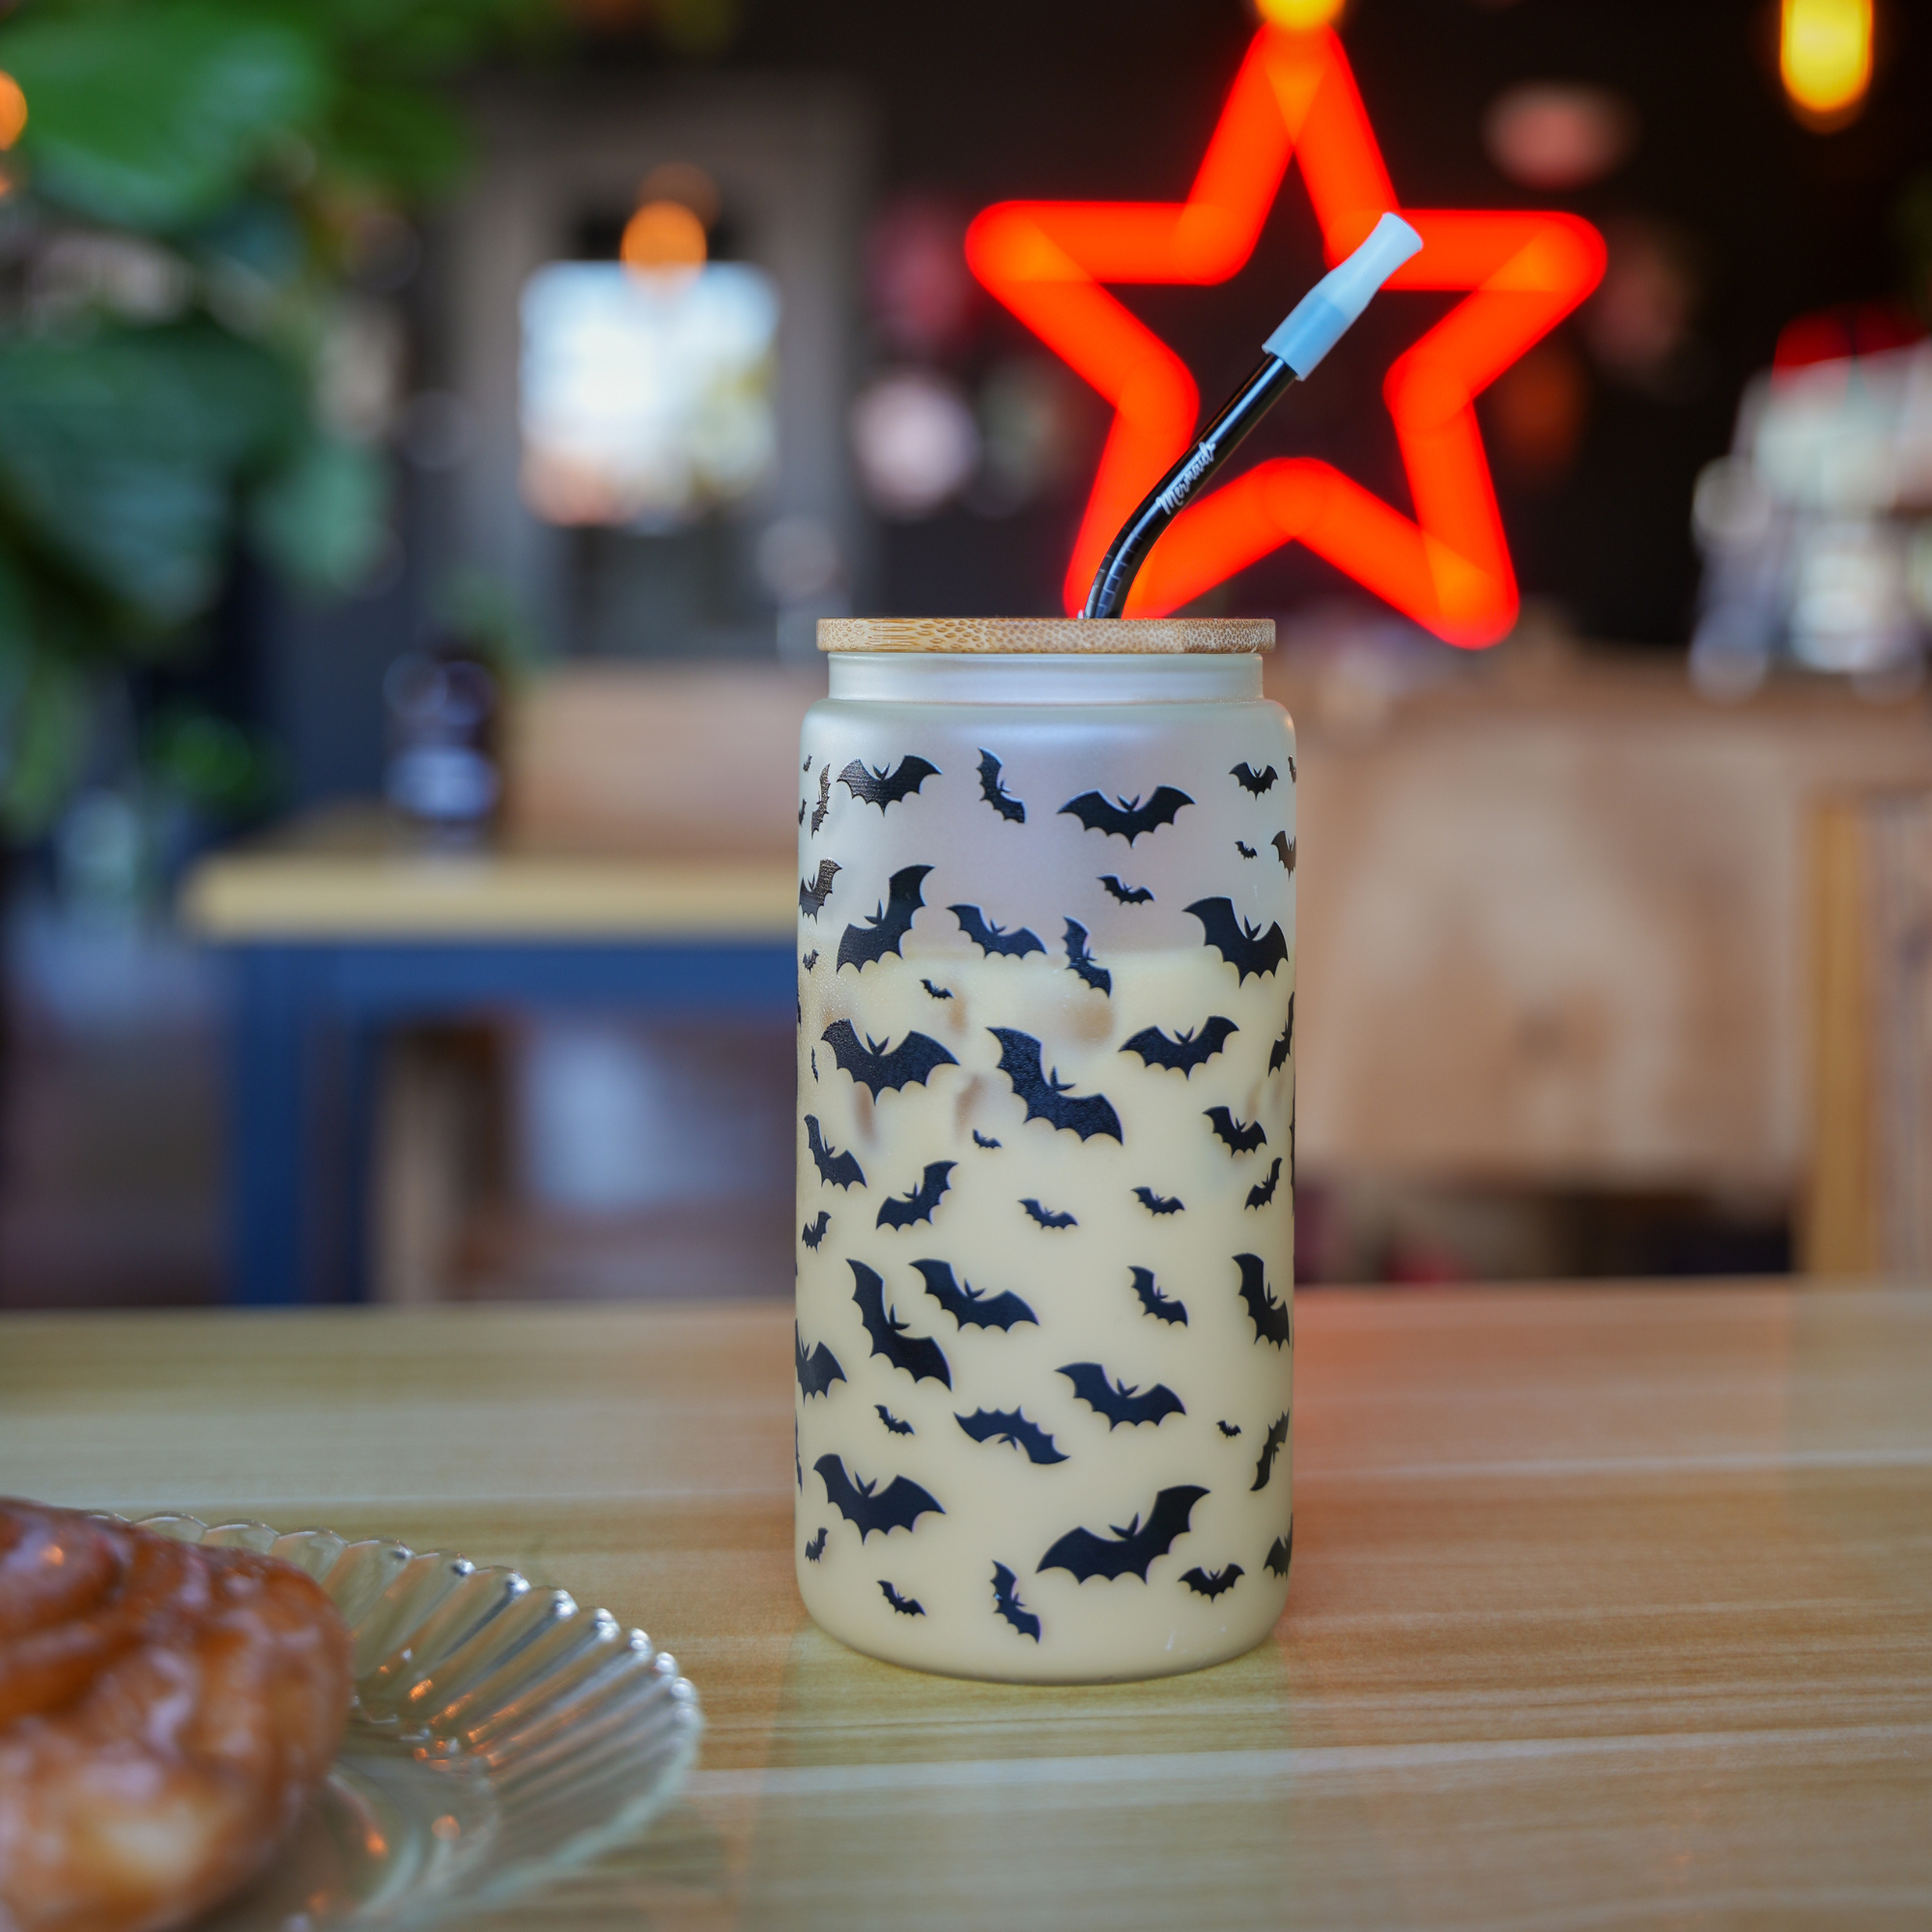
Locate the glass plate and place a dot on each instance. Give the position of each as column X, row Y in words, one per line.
column 499, row 1735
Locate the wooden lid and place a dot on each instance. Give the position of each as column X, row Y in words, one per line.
column 1163, row 637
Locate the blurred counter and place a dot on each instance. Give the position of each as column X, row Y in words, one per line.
column 1553, row 918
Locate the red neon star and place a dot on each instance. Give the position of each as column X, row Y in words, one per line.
column 1296, row 97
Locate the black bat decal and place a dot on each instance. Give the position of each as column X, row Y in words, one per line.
column 906, row 1607
column 1277, row 1436
column 1126, row 818
column 1280, row 1552
column 918, row 1355
column 1081, row 961
column 796, row 1463
column 806, row 766
column 1126, row 895
column 1248, row 950
column 1186, row 1051
column 892, row 1421
column 1130, row 1551
column 971, row 1307
column 1290, row 771
column 995, row 793
column 1273, row 1321
column 1009, row 1425
column 815, row 1548
column 815, row 1063
column 1278, row 1053
column 1120, row 1402
column 899, row 1506
column 884, row 930
column 1162, row 1307
column 818, row 1369
column 801, row 811
column 813, row 1231
column 910, row 1063
column 813, row 892
column 1045, row 1094
column 1284, row 849
column 1158, row 1204
column 810, row 960
column 1229, row 1428
column 1047, row 1217
column 937, row 992
column 824, row 804
column 876, row 788
column 1008, row 1605
column 1247, row 850
column 918, row 1205
column 1253, row 780
column 995, row 939
column 1211, row 1583
column 980, row 1139
column 1262, row 1191
column 1241, row 1136
column 834, row 1168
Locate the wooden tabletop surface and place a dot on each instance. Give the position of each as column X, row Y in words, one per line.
column 359, row 874
column 1611, row 1607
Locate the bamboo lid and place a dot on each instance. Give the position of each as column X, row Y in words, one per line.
column 1165, row 637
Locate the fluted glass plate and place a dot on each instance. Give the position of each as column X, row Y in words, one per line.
column 500, row 1735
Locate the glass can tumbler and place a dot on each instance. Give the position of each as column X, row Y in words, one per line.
column 1045, row 1145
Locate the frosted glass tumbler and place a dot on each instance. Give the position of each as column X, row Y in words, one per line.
column 1045, row 1145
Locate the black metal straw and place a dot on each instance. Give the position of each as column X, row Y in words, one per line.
column 1142, row 530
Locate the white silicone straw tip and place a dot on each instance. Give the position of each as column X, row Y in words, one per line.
column 1322, row 316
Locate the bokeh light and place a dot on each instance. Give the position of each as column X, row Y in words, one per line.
column 664, row 236
column 1825, row 57
column 1300, row 16
column 12, row 110
column 916, row 441
column 1551, row 136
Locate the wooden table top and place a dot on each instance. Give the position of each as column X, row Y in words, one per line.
column 360, row 876
column 1609, row 1609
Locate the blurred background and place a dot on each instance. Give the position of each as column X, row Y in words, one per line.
column 430, row 430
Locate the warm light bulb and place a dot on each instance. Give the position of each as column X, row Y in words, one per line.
column 1299, row 16
column 1825, row 55
column 662, row 235
column 12, row 110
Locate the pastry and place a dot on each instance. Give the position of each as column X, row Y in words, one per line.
column 164, row 1710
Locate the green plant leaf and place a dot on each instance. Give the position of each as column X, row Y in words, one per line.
column 483, row 610
column 213, row 763
column 258, row 234
column 149, row 115
column 121, row 451
column 398, row 139
column 40, row 744
column 18, row 641
column 322, row 517
column 419, row 38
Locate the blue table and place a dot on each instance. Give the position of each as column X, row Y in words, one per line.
column 332, row 945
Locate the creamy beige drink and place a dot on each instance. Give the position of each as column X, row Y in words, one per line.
column 1047, row 1128
column 1130, row 1337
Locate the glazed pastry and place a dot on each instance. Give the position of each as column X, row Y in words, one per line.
column 164, row 1710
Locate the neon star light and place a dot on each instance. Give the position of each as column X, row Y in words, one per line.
column 1295, row 97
